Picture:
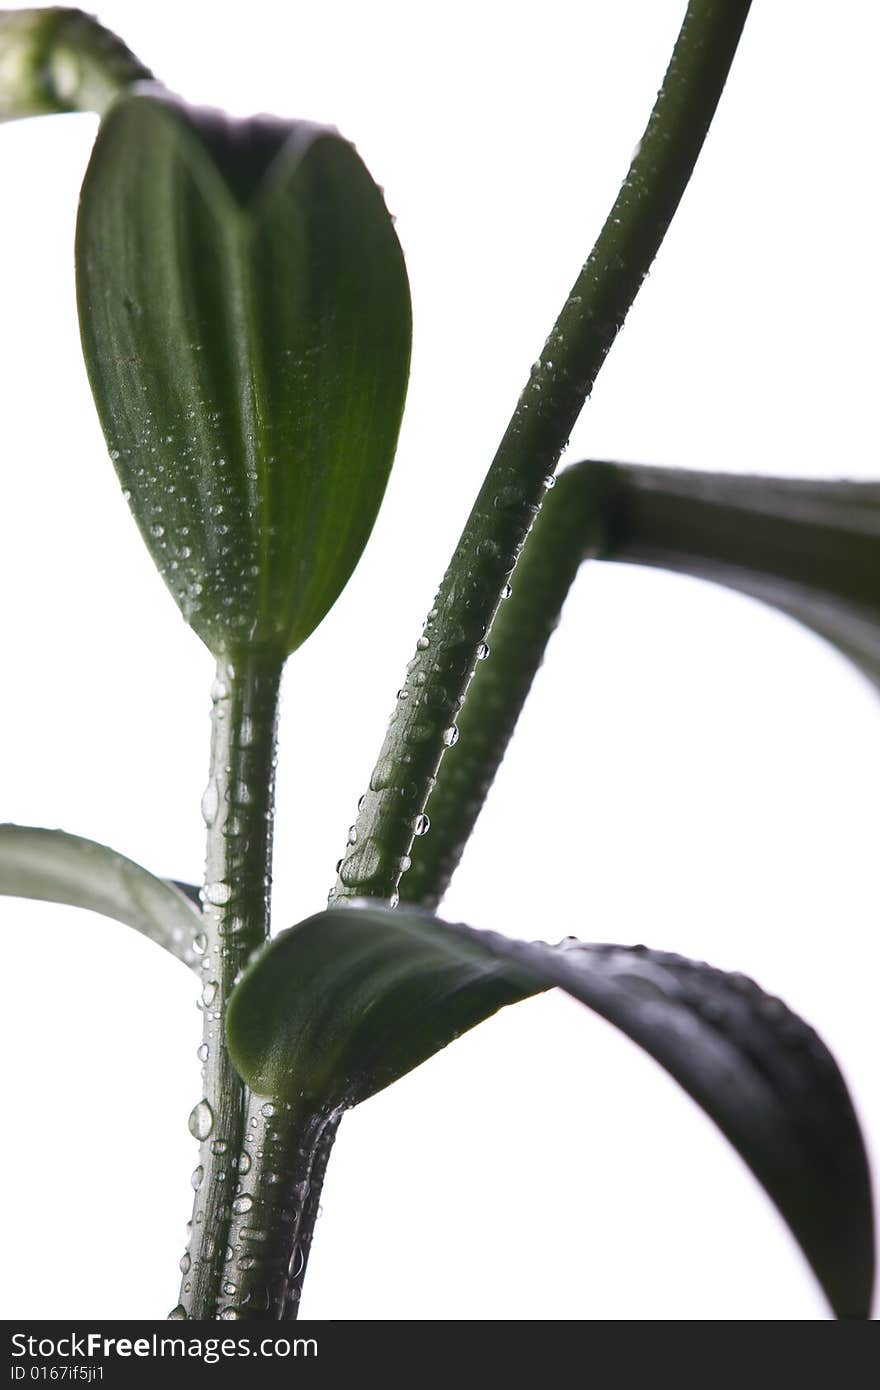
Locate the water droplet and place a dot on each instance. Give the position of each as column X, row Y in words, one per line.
column 200, row 943
column 209, row 993
column 362, row 865
column 229, row 1287
column 394, row 900
column 210, row 803
column 352, row 835
column 244, row 1161
column 157, row 531
column 219, row 690
column 203, row 1052
column 362, row 802
column 229, row 1314
column 197, row 1177
column 219, row 1146
column 423, row 643
column 450, row 736
column 421, row 825
column 549, row 481
column 217, row 894
column 201, row 1120
column 506, row 591
column 185, row 1262
column 177, row 1314
column 482, row 651
column 242, row 1205
column 268, row 1110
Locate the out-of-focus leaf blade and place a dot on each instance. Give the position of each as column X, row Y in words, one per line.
column 57, row 59
column 55, row 867
column 246, row 325
column 352, row 999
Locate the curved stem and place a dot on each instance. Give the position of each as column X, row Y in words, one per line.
column 238, row 809
column 422, row 725
column 571, row 527
column 805, row 546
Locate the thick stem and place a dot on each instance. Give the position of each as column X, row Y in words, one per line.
column 423, row 725
column 300, row 1260
column 264, row 1260
column 238, row 808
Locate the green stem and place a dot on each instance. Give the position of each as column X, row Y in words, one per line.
column 570, row 528
column 238, row 809
column 58, row 60
column 271, row 1204
column 423, row 722
column 299, row 1263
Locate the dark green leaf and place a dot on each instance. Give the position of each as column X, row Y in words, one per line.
column 246, row 325
column 810, row 547
column 54, row 867
column 351, row 999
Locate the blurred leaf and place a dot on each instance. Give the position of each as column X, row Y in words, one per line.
column 54, row 867
column 245, row 318
column 56, row 60
column 353, row 998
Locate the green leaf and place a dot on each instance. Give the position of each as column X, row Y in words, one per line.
column 56, row 60
column 351, row 999
column 55, row 867
column 245, row 320
column 807, row 546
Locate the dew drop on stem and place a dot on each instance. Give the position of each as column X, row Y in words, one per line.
column 201, row 1120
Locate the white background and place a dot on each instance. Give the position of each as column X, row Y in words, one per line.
column 692, row 770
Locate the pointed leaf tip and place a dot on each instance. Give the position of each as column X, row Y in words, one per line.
column 352, row 999
column 245, row 319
